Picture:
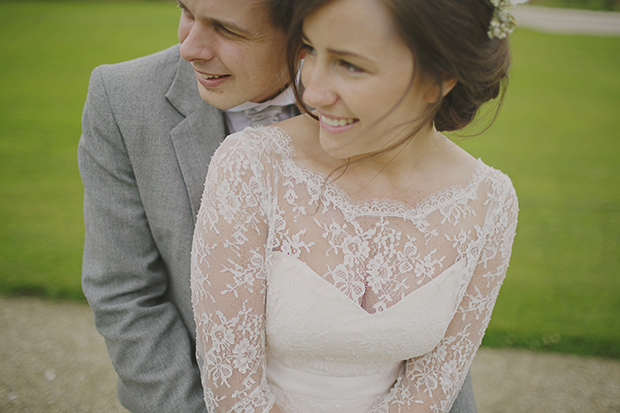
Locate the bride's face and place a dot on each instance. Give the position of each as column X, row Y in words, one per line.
column 355, row 72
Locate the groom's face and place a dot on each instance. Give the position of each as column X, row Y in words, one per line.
column 236, row 53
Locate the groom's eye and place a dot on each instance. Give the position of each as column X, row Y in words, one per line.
column 184, row 9
column 225, row 31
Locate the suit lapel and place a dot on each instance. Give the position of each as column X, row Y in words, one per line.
column 197, row 136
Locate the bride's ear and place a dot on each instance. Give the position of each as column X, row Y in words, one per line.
column 448, row 85
column 435, row 93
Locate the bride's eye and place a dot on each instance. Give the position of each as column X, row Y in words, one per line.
column 351, row 68
column 306, row 50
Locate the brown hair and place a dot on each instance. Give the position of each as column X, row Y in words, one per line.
column 280, row 13
column 448, row 39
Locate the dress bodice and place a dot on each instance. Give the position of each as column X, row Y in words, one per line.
column 323, row 348
column 299, row 287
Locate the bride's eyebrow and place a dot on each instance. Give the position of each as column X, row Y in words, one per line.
column 344, row 53
column 341, row 53
column 304, row 38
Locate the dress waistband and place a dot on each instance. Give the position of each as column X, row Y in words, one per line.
column 330, row 387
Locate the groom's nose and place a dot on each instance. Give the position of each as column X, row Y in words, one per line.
column 197, row 41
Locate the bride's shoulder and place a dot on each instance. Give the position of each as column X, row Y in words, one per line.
column 255, row 142
column 300, row 129
column 300, row 125
column 282, row 140
column 459, row 162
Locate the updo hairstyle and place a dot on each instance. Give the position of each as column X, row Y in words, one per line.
column 448, row 39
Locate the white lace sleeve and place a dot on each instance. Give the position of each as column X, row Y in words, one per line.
column 229, row 280
column 430, row 383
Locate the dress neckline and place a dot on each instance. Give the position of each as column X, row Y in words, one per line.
column 314, row 277
column 335, row 194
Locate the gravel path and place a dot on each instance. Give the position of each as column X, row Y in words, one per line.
column 53, row 360
column 569, row 21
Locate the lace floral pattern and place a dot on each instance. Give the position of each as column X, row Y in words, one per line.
column 258, row 200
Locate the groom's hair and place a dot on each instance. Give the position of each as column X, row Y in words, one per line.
column 280, row 13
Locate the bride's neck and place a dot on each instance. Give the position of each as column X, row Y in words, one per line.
column 392, row 173
column 407, row 155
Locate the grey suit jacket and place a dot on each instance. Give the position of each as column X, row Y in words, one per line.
column 146, row 143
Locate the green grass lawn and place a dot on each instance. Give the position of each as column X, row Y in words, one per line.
column 557, row 137
column 47, row 51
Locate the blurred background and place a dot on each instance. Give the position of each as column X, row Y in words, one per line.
column 557, row 137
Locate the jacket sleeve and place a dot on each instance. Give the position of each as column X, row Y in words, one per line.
column 123, row 275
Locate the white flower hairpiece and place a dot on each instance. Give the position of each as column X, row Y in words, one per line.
column 503, row 22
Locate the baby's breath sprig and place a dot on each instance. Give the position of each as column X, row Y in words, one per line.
column 503, row 22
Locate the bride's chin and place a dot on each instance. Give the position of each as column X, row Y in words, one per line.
column 335, row 150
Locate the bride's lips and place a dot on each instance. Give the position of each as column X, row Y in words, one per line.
column 336, row 124
column 210, row 80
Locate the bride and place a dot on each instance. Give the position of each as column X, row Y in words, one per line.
column 348, row 259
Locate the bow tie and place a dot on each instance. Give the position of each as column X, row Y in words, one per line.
column 263, row 117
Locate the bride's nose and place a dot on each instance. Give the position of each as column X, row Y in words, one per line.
column 318, row 84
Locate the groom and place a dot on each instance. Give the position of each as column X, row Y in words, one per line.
column 150, row 127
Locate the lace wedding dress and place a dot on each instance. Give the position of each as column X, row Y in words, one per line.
column 315, row 301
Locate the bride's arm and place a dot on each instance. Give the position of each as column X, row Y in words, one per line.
column 229, row 281
column 431, row 382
